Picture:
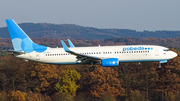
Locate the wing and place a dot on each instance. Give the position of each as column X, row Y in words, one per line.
column 82, row 57
column 70, row 43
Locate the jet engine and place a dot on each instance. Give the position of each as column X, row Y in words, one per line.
column 110, row 62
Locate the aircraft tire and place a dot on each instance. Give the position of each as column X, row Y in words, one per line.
column 91, row 69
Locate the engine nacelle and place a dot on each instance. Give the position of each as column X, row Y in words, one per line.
column 110, row 62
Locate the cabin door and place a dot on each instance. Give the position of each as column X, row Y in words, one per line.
column 157, row 52
column 37, row 56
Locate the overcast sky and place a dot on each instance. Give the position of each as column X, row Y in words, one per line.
column 138, row 15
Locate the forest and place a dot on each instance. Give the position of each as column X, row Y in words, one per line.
column 31, row 81
column 75, row 31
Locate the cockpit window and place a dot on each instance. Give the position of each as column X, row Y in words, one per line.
column 166, row 50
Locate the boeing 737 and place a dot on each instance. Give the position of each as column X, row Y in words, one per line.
column 107, row 56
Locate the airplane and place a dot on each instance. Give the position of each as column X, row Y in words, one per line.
column 106, row 56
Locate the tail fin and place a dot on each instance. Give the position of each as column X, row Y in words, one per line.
column 20, row 41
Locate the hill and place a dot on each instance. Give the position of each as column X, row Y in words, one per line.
column 76, row 31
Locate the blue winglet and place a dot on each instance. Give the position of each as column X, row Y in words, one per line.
column 70, row 43
column 65, row 46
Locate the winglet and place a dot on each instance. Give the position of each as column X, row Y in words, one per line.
column 65, row 46
column 70, row 43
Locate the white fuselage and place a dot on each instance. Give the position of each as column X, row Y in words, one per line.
column 25, row 48
column 126, row 53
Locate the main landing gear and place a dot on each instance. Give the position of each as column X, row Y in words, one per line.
column 91, row 68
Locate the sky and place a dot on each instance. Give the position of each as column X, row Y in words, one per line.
column 137, row 15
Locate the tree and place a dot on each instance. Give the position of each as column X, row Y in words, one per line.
column 42, row 78
column 67, row 83
column 169, row 77
column 13, row 73
column 100, row 81
column 147, row 79
column 127, row 74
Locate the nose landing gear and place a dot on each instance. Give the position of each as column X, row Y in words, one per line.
column 159, row 65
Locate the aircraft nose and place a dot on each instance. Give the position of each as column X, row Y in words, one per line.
column 173, row 54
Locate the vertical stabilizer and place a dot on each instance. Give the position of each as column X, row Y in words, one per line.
column 20, row 41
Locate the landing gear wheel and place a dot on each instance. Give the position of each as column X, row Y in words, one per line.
column 91, row 69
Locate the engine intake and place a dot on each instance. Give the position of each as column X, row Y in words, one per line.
column 110, row 62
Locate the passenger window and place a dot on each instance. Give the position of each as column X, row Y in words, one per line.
column 166, row 50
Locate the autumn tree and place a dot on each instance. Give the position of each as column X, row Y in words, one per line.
column 13, row 74
column 169, row 78
column 67, row 83
column 146, row 80
column 100, row 81
column 42, row 78
column 127, row 74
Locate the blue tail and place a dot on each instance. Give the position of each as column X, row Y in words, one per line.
column 20, row 41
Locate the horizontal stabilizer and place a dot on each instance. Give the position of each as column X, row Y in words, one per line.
column 19, row 52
